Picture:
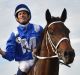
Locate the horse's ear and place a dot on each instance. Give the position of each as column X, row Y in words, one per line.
column 64, row 15
column 48, row 16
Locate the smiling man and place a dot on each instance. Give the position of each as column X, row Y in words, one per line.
column 22, row 44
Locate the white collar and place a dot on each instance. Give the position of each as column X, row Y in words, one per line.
column 24, row 25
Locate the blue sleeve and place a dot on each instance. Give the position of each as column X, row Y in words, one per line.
column 10, row 48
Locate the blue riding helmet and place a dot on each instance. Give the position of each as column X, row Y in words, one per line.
column 21, row 7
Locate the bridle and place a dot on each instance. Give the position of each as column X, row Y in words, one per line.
column 53, row 47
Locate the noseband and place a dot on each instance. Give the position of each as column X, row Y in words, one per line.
column 53, row 47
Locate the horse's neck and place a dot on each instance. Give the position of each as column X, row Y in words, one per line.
column 45, row 66
column 43, row 51
column 51, row 66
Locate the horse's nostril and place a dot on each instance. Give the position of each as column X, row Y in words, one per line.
column 72, row 53
column 69, row 53
column 65, row 53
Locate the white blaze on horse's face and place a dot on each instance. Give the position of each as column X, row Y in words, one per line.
column 59, row 40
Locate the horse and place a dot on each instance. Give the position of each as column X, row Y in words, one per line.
column 55, row 46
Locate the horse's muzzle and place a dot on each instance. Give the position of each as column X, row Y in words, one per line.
column 69, row 56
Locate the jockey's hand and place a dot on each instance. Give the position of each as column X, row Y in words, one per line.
column 34, row 51
column 24, row 47
column 2, row 52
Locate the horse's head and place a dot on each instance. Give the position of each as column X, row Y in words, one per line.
column 58, row 37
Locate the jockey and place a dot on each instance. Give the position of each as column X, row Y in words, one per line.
column 22, row 44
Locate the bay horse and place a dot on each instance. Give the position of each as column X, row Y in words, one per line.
column 55, row 46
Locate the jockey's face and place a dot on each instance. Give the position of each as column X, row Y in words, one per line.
column 23, row 17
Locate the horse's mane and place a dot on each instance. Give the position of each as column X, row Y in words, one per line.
column 40, row 42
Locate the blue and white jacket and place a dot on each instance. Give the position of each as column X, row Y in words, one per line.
column 14, row 49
